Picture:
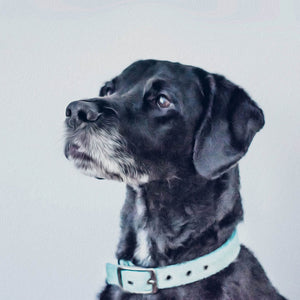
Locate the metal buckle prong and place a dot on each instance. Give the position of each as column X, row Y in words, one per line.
column 152, row 280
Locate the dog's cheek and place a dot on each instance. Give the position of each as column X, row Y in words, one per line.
column 158, row 136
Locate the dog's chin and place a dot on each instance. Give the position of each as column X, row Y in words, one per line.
column 84, row 161
column 88, row 166
column 74, row 152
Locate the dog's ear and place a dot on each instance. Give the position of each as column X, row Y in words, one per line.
column 230, row 121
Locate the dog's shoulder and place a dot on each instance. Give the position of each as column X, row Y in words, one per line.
column 248, row 276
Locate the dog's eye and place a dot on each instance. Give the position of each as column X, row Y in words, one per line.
column 163, row 102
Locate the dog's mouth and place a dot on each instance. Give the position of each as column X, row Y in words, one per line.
column 90, row 154
column 82, row 160
column 73, row 151
column 103, row 154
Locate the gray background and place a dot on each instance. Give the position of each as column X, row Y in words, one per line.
column 58, row 227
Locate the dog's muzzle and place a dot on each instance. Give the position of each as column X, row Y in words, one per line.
column 95, row 144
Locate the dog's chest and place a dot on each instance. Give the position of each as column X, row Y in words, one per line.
column 142, row 250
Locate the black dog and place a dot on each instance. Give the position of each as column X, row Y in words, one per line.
column 174, row 134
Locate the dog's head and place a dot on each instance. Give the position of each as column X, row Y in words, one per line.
column 159, row 120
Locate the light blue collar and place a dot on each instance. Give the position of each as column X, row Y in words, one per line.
column 138, row 280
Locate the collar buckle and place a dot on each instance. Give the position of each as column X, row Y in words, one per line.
column 152, row 280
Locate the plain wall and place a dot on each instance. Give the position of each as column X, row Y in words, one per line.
column 58, row 227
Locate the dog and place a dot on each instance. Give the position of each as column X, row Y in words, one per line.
column 174, row 134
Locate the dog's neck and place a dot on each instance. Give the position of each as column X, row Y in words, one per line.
column 168, row 222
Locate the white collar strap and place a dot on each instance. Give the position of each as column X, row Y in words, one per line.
column 138, row 280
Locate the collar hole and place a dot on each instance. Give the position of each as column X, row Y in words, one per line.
column 168, row 277
column 188, row 273
column 130, row 282
column 205, row 267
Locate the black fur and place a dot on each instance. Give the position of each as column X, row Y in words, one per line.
column 190, row 201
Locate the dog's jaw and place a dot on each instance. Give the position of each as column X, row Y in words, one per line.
column 101, row 153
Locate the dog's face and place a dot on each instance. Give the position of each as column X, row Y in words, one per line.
column 158, row 120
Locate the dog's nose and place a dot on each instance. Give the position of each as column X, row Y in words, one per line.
column 79, row 112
